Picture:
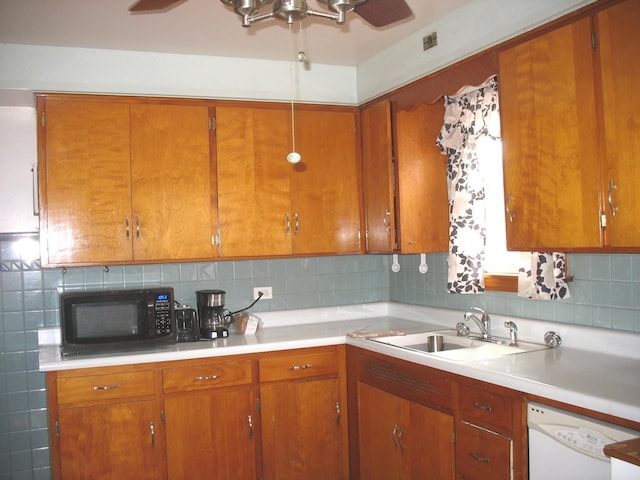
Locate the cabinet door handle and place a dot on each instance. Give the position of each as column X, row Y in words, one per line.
column 105, row 387
column 400, row 435
column 300, row 367
column 479, row 458
column 612, row 187
column 126, row 226
column 296, row 224
column 201, row 378
column 287, row 224
column 250, row 423
column 394, row 435
column 137, row 227
column 152, row 429
column 485, row 408
column 387, row 225
column 510, row 215
column 337, row 413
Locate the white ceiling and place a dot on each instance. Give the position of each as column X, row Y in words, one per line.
column 204, row 27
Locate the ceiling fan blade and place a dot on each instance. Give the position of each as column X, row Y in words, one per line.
column 381, row 13
column 154, row 5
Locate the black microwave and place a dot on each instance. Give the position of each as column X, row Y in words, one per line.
column 113, row 320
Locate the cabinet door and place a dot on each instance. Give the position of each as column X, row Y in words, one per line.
column 253, row 181
column 422, row 181
column 304, row 430
column 325, row 185
column 378, row 177
column 402, row 439
column 619, row 37
column 173, row 200
column 111, row 442
column 548, row 119
column 482, row 454
column 85, row 182
column 210, row 434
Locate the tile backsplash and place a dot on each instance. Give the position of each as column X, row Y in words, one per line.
column 605, row 293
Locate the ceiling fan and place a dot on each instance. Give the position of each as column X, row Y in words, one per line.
column 378, row 13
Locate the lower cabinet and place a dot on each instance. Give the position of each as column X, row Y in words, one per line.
column 416, row 422
column 304, row 415
column 400, row 439
column 277, row 415
column 105, row 424
column 210, row 412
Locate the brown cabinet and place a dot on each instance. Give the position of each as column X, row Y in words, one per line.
column 405, row 179
column 268, row 207
column 569, row 129
column 210, row 411
column 403, row 426
column 123, row 180
column 106, row 424
column 414, row 421
column 304, row 415
column 490, row 433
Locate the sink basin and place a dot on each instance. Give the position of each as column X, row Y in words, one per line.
column 457, row 348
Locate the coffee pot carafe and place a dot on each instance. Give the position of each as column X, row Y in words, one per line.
column 214, row 320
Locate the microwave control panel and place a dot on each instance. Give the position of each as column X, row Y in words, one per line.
column 162, row 307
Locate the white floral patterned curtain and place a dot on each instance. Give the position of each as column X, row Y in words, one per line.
column 545, row 278
column 466, row 119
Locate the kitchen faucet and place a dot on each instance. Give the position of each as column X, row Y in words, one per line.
column 484, row 322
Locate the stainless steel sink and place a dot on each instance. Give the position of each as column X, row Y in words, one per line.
column 457, row 348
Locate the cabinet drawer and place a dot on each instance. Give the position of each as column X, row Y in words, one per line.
column 203, row 376
column 481, row 454
column 486, row 408
column 301, row 365
column 96, row 388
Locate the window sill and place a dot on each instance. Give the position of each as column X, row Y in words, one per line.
column 503, row 283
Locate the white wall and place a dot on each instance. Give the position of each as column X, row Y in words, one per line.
column 472, row 28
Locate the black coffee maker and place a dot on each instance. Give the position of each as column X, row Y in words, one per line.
column 213, row 318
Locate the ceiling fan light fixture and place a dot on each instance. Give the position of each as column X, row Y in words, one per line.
column 290, row 10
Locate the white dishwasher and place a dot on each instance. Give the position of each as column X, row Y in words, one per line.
column 567, row 446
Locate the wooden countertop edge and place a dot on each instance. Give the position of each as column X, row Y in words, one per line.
column 627, row 450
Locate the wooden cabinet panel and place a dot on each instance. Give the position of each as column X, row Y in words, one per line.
column 304, row 430
column 486, row 408
column 291, row 366
column 481, row 454
column 254, row 181
column 111, row 442
column 103, row 387
column 547, row 108
column 173, row 208
column 618, row 40
column 378, row 177
column 422, row 180
column 201, row 377
column 402, row 439
column 325, row 185
column 210, row 434
column 85, row 186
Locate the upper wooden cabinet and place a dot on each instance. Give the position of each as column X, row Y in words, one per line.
column 268, row 207
column 406, row 193
column 124, row 181
column 569, row 130
column 378, row 178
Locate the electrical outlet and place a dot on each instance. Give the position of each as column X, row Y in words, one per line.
column 267, row 293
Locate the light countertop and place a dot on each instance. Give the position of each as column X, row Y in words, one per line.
column 594, row 368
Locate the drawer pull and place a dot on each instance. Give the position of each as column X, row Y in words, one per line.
column 201, row 378
column 105, row 387
column 250, row 423
column 479, row 458
column 486, row 408
column 300, row 367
